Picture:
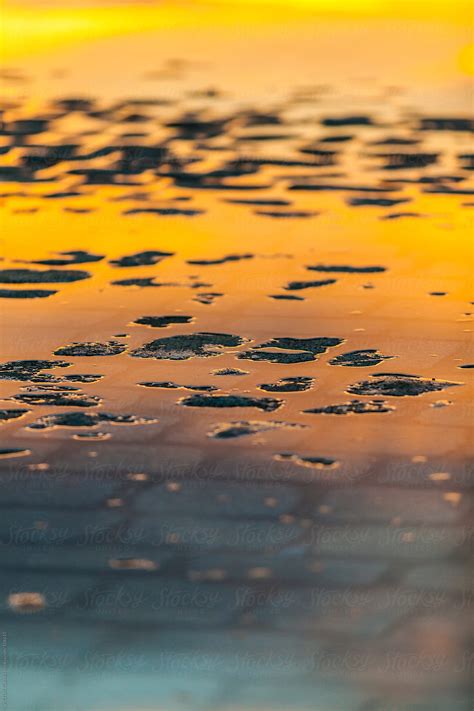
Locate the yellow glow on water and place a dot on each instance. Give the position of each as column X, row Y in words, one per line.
column 466, row 59
column 28, row 27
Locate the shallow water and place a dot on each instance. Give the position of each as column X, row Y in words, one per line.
column 236, row 319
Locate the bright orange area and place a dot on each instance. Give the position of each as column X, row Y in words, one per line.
column 30, row 27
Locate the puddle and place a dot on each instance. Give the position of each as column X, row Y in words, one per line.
column 142, row 282
column 267, row 404
column 309, row 462
column 47, row 276
column 12, row 452
column 293, row 384
column 299, row 285
column 61, row 399
column 207, row 298
column 162, row 321
column 169, row 385
column 83, row 419
column 110, row 348
column 78, row 256
column 376, row 202
column 99, row 436
column 26, row 293
column 288, row 214
column 229, row 371
column 286, row 297
column 140, row 259
column 6, row 415
column 309, row 349
column 28, row 369
column 194, row 345
column 242, row 428
column 345, row 269
column 360, row 359
column 222, row 260
column 398, row 385
column 354, row 407
column 160, row 212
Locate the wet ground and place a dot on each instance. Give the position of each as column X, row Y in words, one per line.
column 236, row 328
